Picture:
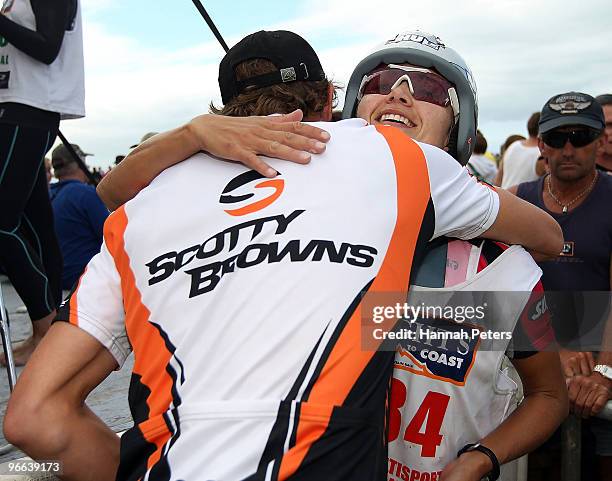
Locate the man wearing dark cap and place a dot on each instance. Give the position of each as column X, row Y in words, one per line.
column 578, row 196
column 604, row 155
column 240, row 297
column 79, row 213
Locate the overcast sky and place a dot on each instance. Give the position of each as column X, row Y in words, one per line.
column 151, row 65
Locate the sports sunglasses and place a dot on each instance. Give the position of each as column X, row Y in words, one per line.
column 424, row 85
column 577, row 137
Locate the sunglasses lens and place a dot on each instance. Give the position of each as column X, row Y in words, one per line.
column 432, row 89
column 427, row 87
column 578, row 138
column 556, row 140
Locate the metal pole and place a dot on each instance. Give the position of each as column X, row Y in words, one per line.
column 78, row 160
column 210, row 23
column 5, row 331
column 606, row 412
column 570, row 449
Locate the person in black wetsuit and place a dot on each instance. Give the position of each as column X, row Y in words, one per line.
column 41, row 82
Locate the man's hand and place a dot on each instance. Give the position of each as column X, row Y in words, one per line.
column 588, row 394
column 577, row 363
column 471, row 466
column 243, row 138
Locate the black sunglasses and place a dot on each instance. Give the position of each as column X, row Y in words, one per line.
column 578, row 138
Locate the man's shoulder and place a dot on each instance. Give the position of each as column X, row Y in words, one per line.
column 526, row 187
column 606, row 180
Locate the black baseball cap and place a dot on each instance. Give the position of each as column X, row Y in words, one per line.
column 290, row 53
column 571, row 108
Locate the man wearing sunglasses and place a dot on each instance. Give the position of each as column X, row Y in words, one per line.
column 577, row 195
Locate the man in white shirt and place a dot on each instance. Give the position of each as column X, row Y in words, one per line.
column 521, row 160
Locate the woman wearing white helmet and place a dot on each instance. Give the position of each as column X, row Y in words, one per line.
column 441, row 408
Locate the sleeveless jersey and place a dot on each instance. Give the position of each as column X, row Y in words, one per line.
column 59, row 87
column 241, row 299
column 448, row 393
column 578, row 313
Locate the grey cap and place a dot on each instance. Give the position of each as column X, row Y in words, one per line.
column 146, row 136
column 571, row 108
column 61, row 156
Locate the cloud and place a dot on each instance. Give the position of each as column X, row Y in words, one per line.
column 521, row 53
column 132, row 89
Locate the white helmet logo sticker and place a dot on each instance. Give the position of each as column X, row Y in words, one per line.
column 429, row 40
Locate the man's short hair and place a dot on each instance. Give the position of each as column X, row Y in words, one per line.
column 604, row 99
column 480, row 146
column 532, row 124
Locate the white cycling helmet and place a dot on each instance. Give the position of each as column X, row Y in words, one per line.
column 427, row 51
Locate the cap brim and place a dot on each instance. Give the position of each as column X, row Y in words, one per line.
column 569, row 120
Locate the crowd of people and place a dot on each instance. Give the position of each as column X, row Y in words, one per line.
column 243, row 288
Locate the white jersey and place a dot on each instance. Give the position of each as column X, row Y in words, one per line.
column 241, row 299
column 59, row 87
column 448, row 393
column 519, row 164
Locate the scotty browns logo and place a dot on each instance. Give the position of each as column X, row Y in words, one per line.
column 239, row 191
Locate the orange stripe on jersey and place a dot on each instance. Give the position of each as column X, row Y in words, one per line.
column 151, row 357
column 347, row 360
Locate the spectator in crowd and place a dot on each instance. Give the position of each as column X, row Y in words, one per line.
column 572, row 130
column 519, row 162
column 79, row 214
column 41, row 83
column 479, row 165
column 604, row 155
column 144, row 138
column 507, row 143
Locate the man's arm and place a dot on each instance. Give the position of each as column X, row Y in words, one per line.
column 541, row 412
column 235, row 138
column 47, row 417
column 466, row 209
column 520, row 222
